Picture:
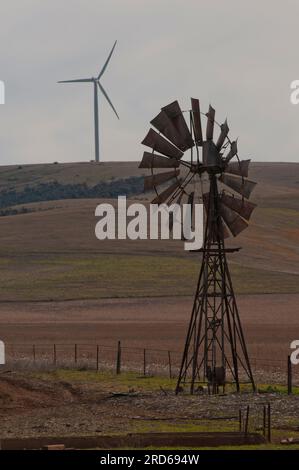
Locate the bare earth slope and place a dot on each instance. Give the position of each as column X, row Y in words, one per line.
column 52, row 253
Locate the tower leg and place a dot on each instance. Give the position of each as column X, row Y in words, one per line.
column 215, row 348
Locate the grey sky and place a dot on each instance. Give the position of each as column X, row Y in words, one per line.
column 240, row 56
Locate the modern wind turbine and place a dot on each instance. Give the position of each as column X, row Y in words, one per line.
column 96, row 83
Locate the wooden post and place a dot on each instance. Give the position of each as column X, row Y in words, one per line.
column 169, row 365
column 54, row 355
column 240, row 420
column 33, row 352
column 118, row 358
column 290, row 378
column 97, row 357
column 264, row 420
column 76, row 354
column 247, row 420
column 269, row 422
column 144, row 362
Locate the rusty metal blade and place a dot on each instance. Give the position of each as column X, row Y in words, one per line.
column 152, row 160
column 233, row 151
column 165, row 125
column 223, row 135
column 238, row 168
column 161, row 145
column 223, row 230
column 196, row 121
column 210, row 123
column 161, row 198
column 175, row 114
column 155, row 180
column 210, row 154
column 240, row 185
column 234, row 222
column 241, row 206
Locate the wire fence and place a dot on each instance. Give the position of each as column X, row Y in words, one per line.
column 117, row 357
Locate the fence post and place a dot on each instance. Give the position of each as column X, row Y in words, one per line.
column 269, row 422
column 169, row 365
column 33, row 352
column 247, row 420
column 54, row 355
column 264, row 420
column 240, row 420
column 76, row 354
column 118, row 358
column 97, row 357
column 144, row 362
column 290, row 376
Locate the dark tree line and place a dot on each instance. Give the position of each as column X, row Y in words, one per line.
column 54, row 191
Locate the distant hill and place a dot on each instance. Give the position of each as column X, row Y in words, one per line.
column 51, row 252
column 17, row 177
column 34, row 183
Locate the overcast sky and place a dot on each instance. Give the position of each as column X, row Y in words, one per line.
column 239, row 56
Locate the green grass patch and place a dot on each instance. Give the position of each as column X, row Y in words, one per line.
column 71, row 276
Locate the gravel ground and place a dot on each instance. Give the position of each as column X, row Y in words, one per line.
column 32, row 406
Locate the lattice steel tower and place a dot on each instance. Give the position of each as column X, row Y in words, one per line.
column 215, row 350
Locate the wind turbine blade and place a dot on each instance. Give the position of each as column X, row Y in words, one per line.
column 76, row 81
column 107, row 61
column 108, row 99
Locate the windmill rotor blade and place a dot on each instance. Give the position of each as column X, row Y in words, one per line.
column 161, row 198
column 152, row 160
column 210, row 123
column 108, row 99
column 155, row 180
column 161, row 145
column 223, row 230
column 223, row 134
column 79, row 80
column 234, row 222
column 239, row 168
column 107, row 61
column 175, row 114
column 240, row 185
column 210, row 154
column 196, row 121
column 165, row 125
column 241, row 206
column 233, row 151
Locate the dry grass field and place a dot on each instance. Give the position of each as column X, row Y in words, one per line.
column 55, row 275
column 53, row 254
column 59, row 284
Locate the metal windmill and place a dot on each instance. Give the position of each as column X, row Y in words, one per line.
column 215, row 350
column 96, row 83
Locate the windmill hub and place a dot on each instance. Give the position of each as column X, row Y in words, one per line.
column 215, row 350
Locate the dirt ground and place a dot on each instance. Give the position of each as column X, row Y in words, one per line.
column 66, row 403
column 37, row 403
column 270, row 322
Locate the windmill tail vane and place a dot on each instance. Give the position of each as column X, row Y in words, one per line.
column 199, row 163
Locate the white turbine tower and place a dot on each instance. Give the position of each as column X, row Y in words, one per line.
column 96, row 83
